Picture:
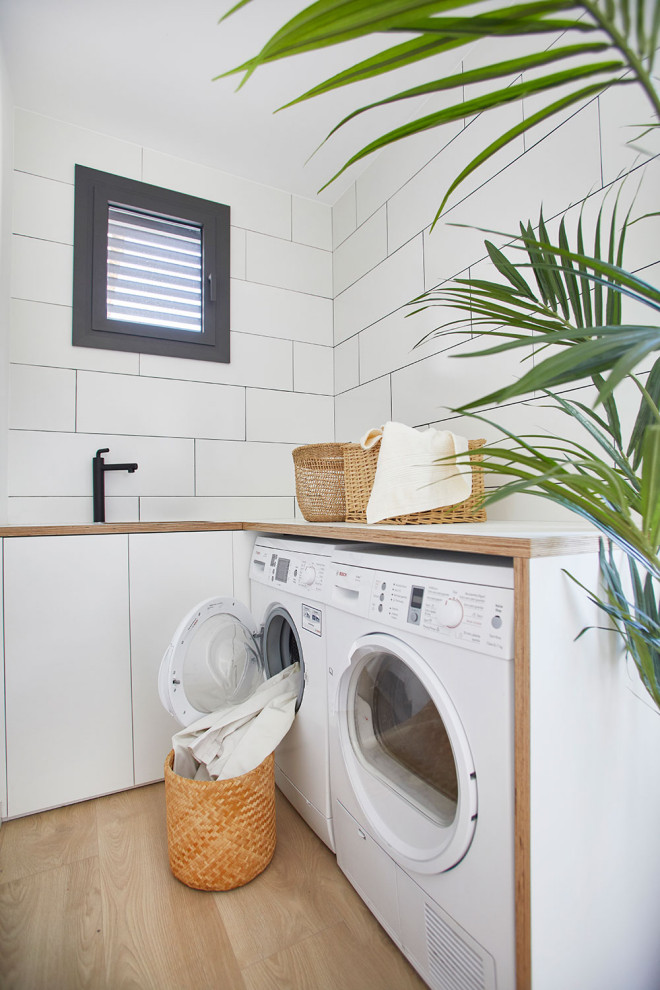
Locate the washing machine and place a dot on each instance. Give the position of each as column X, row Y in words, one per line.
column 420, row 674
column 223, row 649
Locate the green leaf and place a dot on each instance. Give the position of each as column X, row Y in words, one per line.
column 570, row 280
column 506, row 268
column 647, row 415
column 536, row 118
column 650, row 490
column 586, row 286
column 391, row 59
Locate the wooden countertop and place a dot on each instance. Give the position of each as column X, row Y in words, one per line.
column 502, row 539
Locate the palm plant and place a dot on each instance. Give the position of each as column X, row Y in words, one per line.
column 574, row 301
column 610, row 43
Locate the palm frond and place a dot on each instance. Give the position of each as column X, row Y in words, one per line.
column 616, row 46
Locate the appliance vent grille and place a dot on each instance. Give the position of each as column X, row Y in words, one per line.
column 453, row 964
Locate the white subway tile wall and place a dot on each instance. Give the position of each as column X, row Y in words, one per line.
column 211, row 440
column 323, row 344
column 562, row 167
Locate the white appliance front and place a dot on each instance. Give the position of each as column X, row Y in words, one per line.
column 222, row 650
column 421, row 754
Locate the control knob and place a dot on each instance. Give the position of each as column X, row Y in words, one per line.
column 308, row 575
column 450, row 613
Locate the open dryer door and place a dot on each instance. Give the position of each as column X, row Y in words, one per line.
column 219, row 655
column 214, row 659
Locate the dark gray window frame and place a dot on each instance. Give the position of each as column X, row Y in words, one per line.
column 94, row 191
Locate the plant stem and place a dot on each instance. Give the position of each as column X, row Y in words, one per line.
column 631, row 57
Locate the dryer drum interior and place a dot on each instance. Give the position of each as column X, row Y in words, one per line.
column 282, row 646
column 400, row 736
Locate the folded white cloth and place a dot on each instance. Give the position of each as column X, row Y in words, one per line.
column 411, row 475
column 236, row 738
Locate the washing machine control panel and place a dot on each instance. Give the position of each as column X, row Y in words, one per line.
column 478, row 617
column 297, row 572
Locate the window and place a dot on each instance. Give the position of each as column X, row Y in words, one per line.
column 150, row 269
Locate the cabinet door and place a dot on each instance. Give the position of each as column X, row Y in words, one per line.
column 169, row 574
column 67, row 669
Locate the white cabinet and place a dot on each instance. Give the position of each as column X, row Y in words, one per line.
column 67, row 671
column 169, row 574
column 87, row 621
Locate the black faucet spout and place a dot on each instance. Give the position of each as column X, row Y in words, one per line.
column 99, row 467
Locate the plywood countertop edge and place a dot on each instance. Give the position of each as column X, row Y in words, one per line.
column 472, row 539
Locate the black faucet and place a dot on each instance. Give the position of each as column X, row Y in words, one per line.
column 99, row 467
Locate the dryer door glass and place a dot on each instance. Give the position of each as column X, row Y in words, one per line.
column 406, row 754
column 400, row 736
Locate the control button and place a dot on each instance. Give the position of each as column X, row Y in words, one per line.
column 382, row 598
column 383, row 586
column 413, row 617
column 308, row 576
column 380, row 608
column 450, row 613
column 496, row 621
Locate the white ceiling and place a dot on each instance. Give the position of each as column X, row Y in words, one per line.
column 142, row 70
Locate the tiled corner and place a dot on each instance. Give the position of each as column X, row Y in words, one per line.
column 361, row 251
column 347, row 365
column 313, row 369
column 311, row 223
column 344, row 217
column 361, row 409
column 381, row 291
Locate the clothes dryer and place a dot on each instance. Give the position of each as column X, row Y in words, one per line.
column 420, row 675
column 285, row 623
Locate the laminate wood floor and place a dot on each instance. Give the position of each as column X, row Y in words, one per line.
column 87, row 900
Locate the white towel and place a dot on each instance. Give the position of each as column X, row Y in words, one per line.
column 408, row 477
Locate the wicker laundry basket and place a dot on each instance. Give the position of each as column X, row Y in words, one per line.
column 320, row 481
column 360, row 471
column 220, row 833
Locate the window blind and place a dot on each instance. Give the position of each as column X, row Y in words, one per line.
column 154, row 270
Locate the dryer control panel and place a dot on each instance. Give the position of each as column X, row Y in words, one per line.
column 478, row 617
column 300, row 573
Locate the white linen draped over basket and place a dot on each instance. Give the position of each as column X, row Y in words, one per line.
column 411, row 475
column 236, row 738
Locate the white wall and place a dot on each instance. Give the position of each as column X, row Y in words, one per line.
column 6, row 157
column 213, row 441
column 385, row 255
